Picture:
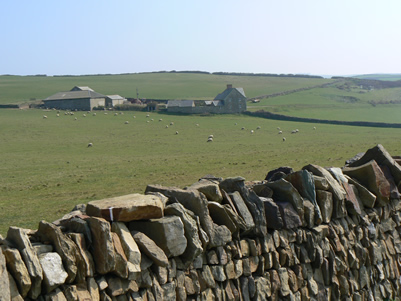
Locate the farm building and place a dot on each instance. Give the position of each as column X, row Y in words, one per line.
column 230, row 101
column 81, row 98
column 112, row 100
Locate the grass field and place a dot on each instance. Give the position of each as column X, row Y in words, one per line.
column 21, row 89
column 47, row 167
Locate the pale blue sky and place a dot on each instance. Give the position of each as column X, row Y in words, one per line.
column 339, row 37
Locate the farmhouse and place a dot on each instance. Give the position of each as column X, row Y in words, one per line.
column 230, row 101
column 82, row 98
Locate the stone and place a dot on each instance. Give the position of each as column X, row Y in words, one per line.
column 263, row 289
column 121, row 264
column 209, row 188
column 394, row 193
column 89, row 264
column 102, row 246
column 242, row 210
column 219, row 215
column 218, row 273
column 131, row 249
column 207, row 276
column 320, row 183
column 196, row 202
column 304, row 183
column 290, row 217
column 169, row 291
column 262, row 190
column 19, row 238
column 66, row 248
column 18, row 270
column 278, row 173
column 371, row 176
column 57, row 295
column 93, row 288
column 284, row 191
column 284, row 287
column 167, row 233
column 194, row 245
column 77, row 224
column 252, row 201
column 367, row 198
column 54, row 273
column 14, row 293
column 4, row 280
column 148, row 246
column 382, row 157
column 334, row 187
column 325, row 202
column 273, row 215
column 127, row 208
column 309, row 214
column 42, row 248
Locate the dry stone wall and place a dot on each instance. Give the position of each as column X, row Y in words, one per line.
column 314, row 234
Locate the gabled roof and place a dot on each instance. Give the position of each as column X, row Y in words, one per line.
column 228, row 91
column 115, row 97
column 181, row 103
column 75, row 95
column 81, row 88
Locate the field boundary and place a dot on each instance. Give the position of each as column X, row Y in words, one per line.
column 269, row 115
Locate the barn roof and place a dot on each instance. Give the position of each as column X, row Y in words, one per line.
column 228, row 91
column 115, row 97
column 180, row 103
column 75, row 95
column 81, row 88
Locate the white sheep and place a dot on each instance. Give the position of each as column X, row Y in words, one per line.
column 94, row 114
column 126, row 122
column 115, row 114
column 160, row 119
column 278, row 128
column 252, row 131
column 90, row 144
column 293, row 132
column 75, row 118
column 197, row 124
column 166, row 126
column 171, row 123
column 314, row 128
column 209, row 140
column 134, row 116
column 176, row 132
column 258, row 128
column 242, row 128
column 211, row 136
column 280, row 132
column 105, row 113
column 58, row 115
column 147, row 115
column 84, row 115
column 283, row 139
column 44, row 117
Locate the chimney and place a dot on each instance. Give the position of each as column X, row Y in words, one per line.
column 229, row 86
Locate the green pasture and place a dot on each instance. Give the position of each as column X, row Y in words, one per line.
column 382, row 105
column 47, row 168
column 23, row 89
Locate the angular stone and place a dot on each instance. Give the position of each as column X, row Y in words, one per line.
column 77, row 224
column 321, row 183
column 14, row 293
column 93, row 288
column 273, row 215
column 394, row 193
column 334, row 187
column 167, row 233
column 127, row 208
column 304, row 182
column 89, row 264
column 130, row 248
column 284, row 288
column 382, row 157
column 56, row 295
column 367, row 198
column 102, row 246
column 278, row 173
column 19, row 238
column 54, row 273
column 263, row 288
column 242, row 210
column 371, row 176
column 196, row 202
column 252, row 201
column 66, row 248
column 194, row 244
column 149, row 247
column 18, row 270
column 290, row 217
column 210, row 189
column 218, row 273
column 309, row 216
column 4, row 280
column 262, row 190
column 325, row 202
column 121, row 263
column 284, row 191
column 220, row 216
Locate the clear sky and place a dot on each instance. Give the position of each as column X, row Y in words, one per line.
column 327, row 37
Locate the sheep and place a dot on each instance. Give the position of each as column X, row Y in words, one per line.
column 105, row 113
column 75, row 118
column 166, row 126
column 147, row 115
column 94, row 114
column 134, row 116
column 152, row 119
column 121, row 113
column 44, row 117
column 126, row 122
column 278, row 128
column 209, row 140
column 252, row 131
column 242, row 128
column 283, row 139
column 258, row 128
column 84, row 115
column 171, row 123
column 293, row 132
column 176, row 132
column 197, row 124
column 235, row 123
column 147, row 121
column 90, row 144
column 115, row 114
column 211, row 136
column 280, row 132
column 58, row 115
column 160, row 119
column 314, row 128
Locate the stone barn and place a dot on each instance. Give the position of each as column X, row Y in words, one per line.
column 79, row 98
column 230, row 101
column 113, row 100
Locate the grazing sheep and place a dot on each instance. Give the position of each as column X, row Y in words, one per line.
column 134, row 116
column 58, row 115
column 121, row 113
column 94, row 114
column 75, row 118
column 44, row 117
column 258, row 128
column 147, row 121
column 147, row 115
column 160, row 119
column 235, row 123
column 252, row 131
column 72, row 113
column 166, row 126
column 197, row 124
column 65, row 113
column 84, row 115
column 242, row 128
column 209, row 140
column 171, row 123
column 283, row 139
column 280, row 132
column 278, row 128
column 115, row 114
column 105, row 113
column 211, row 136
column 151, row 119
column 126, row 122
column 314, row 128
column 90, row 144
column 176, row 132
column 293, row 132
